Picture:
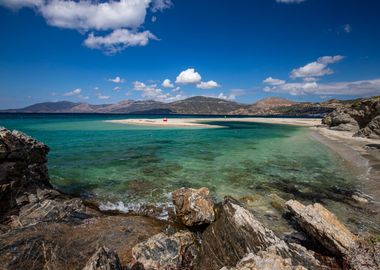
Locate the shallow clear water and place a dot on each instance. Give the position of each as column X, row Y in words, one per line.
column 142, row 165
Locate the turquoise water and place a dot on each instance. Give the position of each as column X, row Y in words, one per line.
column 141, row 165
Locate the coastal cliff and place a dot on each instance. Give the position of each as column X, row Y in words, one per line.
column 362, row 118
column 43, row 228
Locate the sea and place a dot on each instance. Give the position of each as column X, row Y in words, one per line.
column 128, row 168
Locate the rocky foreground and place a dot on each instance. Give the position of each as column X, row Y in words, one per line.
column 42, row 228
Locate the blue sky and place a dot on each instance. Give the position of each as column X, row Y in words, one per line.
column 108, row 51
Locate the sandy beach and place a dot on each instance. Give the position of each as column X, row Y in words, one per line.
column 202, row 122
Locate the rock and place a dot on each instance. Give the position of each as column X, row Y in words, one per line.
column 235, row 233
column 277, row 202
column 22, row 169
column 323, row 226
column 364, row 257
column 194, row 206
column 103, row 259
column 264, row 260
column 361, row 117
column 372, row 130
column 164, row 252
column 359, row 199
column 62, row 246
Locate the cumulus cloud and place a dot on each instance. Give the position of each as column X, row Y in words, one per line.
column 290, row 1
column 122, row 17
column 316, row 69
column 117, row 88
column 151, row 91
column 167, row 84
column 208, row 85
column 230, row 97
column 117, row 79
column 272, row 81
column 118, row 40
column 354, row 88
column 75, row 92
column 188, row 76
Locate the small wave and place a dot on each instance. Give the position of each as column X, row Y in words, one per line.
column 159, row 210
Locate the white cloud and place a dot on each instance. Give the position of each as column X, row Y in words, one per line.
column 290, row 1
column 75, row 92
column 189, row 76
column 100, row 96
column 317, row 68
column 354, row 88
column 310, row 79
column 152, row 92
column 117, row 88
column 160, row 5
column 17, row 4
column 347, row 28
column 167, row 84
column 330, row 59
column 117, row 79
column 230, row 97
column 85, row 15
column 272, row 81
column 118, row 40
column 208, row 85
column 123, row 17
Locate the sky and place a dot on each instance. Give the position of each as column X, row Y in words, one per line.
column 102, row 52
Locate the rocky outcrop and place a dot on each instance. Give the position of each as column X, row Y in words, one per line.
column 323, row 226
column 22, row 169
column 237, row 232
column 194, row 206
column 364, row 257
column 166, row 252
column 361, row 117
column 103, row 259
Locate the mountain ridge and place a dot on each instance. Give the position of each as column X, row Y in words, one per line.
column 194, row 105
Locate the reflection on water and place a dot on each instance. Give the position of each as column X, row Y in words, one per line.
column 141, row 165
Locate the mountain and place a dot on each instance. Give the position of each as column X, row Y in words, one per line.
column 193, row 105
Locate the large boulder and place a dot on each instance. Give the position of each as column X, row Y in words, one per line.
column 166, row 252
column 103, row 259
column 323, row 226
column 235, row 233
column 194, row 206
column 342, row 120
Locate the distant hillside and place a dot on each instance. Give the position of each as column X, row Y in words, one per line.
column 194, row 105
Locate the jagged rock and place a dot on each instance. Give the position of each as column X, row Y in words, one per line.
column 194, row 206
column 362, row 117
column 103, row 259
column 277, row 202
column 363, row 257
column 22, row 168
column 264, row 260
column 235, row 233
column 372, row 130
column 166, row 252
column 323, row 226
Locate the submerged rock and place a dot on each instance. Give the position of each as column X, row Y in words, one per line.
column 103, row 259
column 194, row 206
column 323, row 226
column 166, row 252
